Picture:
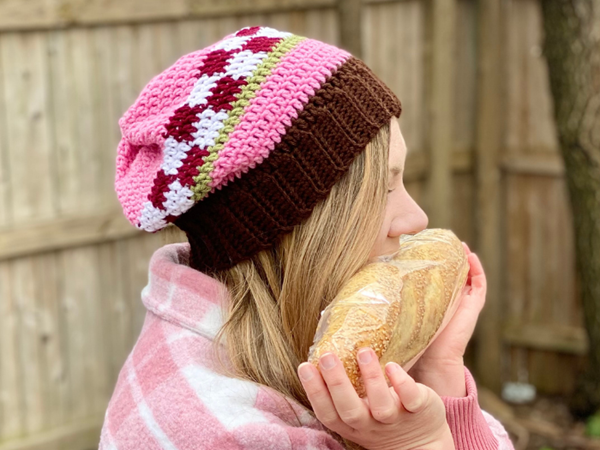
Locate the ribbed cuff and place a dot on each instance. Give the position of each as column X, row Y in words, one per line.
column 467, row 424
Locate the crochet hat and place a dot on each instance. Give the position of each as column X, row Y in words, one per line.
column 238, row 142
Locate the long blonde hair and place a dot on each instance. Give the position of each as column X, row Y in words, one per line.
column 276, row 297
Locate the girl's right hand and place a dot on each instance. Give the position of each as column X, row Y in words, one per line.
column 406, row 416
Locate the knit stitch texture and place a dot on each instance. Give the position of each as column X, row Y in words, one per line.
column 237, row 143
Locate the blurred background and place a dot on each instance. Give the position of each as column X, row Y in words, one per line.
column 484, row 160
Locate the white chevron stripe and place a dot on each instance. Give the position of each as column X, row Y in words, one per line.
column 178, row 197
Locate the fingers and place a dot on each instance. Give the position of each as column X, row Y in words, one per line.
column 412, row 395
column 320, row 399
column 466, row 247
column 381, row 403
column 350, row 408
column 476, row 273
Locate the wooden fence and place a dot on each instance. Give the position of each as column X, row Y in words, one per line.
column 482, row 160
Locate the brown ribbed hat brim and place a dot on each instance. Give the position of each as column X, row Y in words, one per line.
column 252, row 212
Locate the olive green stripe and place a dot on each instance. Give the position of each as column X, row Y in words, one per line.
column 248, row 92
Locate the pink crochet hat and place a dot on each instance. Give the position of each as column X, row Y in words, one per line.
column 236, row 143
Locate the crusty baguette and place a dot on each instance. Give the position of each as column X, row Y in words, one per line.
column 397, row 305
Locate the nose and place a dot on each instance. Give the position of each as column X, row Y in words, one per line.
column 421, row 219
column 411, row 221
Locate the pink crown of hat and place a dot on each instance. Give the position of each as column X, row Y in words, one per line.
column 211, row 121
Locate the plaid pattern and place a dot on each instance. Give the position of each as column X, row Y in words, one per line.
column 169, row 395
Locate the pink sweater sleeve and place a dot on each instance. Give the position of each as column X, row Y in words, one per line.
column 472, row 428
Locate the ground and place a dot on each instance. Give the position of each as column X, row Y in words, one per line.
column 544, row 424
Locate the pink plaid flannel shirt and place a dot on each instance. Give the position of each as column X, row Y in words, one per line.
column 169, row 394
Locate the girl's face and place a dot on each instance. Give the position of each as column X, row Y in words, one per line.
column 402, row 214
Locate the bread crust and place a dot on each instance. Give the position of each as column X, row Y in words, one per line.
column 397, row 306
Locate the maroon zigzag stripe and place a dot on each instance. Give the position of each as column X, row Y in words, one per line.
column 181, row 123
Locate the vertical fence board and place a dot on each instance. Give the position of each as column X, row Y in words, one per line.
column 323, row 25
column 158, row 46
column 541, row 131
column 540, row 274
column 394, row 32
column 29, row 351
column 439, row 183
column 350, row 29
column 97, row 333
column 81, row 348
column 138, row 253
column 543, row 364
column 117, row 311
column 516, row 243
column 194, row 35
column 52, row 365
column 84, row 128
column 415, row 189
column 530, row 124
column 282, row 21
column 298, row 23
column 226, row 25
column 87, row 347
column 538, row 312
column 25, row 66
column 5, row 193
column 543, row 367
column 123, row 305
column 562, row 265
column 123, row 83
column 463, row 217
column 567, row 249
column 86, row 132
column 466, row 76
column 11, row 379
column 67, row 180
column 488, row 203
column 105, row 120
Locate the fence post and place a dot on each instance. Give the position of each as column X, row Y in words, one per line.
column 441, row 113
column 488, row 187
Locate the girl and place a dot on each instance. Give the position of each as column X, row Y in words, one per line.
column 281, row 158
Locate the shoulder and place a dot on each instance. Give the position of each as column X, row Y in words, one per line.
column 169, row 397
column 193, row 411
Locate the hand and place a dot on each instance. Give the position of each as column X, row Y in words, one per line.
column 441, row 366
column 405, row 416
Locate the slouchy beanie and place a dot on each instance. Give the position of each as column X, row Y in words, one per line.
column 236, row 143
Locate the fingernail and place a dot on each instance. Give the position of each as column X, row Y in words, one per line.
column 364, row 356
column 327, row 361
column 392, row 367
column 304, row 371
column 467, row 246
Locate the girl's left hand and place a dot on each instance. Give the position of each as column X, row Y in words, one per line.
column 441, row 367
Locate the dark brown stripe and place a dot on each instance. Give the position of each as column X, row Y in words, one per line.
column 249, row 214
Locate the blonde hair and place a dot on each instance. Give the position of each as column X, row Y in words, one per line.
column 276, row 297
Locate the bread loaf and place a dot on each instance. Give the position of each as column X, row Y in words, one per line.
column 396, row 305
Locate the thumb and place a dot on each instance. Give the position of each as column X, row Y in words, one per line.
column 418, row 402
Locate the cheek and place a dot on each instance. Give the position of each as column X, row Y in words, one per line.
column 385, row 227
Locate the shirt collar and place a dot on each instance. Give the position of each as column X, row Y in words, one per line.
column 182, row 295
